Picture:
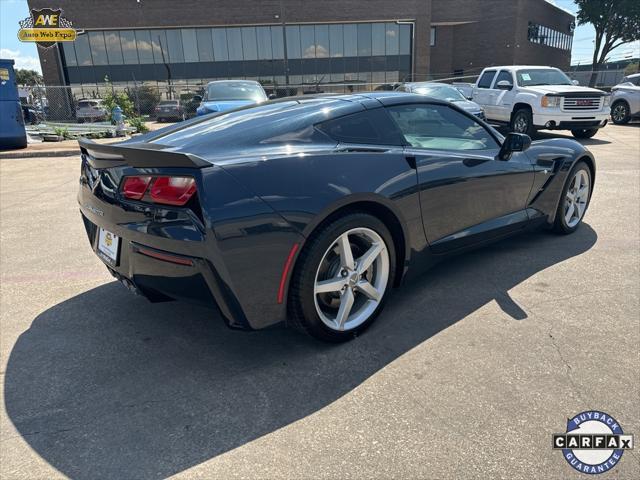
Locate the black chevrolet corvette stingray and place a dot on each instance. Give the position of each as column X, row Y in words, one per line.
column 309, row 210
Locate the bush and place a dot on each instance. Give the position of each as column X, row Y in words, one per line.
column 62, row 132
column 145, row 99
column 121, row 99
column 138, row 124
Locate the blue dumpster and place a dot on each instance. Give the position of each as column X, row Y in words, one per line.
column 12, row 133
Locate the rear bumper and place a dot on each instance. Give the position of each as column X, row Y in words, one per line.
column 162, row 275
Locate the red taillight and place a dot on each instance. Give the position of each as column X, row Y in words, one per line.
column 164, row 190
column 173, row 190
column 135, row 187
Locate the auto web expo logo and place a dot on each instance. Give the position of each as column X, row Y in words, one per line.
column 593, row 443
column 45, row 27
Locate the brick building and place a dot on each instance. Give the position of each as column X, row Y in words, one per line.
column 301, row 42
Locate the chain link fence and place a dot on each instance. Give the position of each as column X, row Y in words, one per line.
column 172, row 102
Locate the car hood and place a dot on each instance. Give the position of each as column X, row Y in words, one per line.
column 468, row 106
column 562, row 89
column 223, row 105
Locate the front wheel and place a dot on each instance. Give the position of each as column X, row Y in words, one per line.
column 574, row 201
column 620, row 113
column 522, row 122
column 342, row 278
column 584, row 132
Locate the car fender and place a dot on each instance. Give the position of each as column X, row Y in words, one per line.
column 529, row 98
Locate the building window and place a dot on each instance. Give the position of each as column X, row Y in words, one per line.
column 98, row 49
column 364, row 39
column 114, row 50
column 190, row 45
column 322, row 41
column 277, row 43
column 83, row 52
column 220, row 45
column 145, row 49
column 433, row 37
column 249, row 44
column 350, row 40
column 128, row 44
column 362, row 53
column 405, row 39
column 159, row 46
column 293, row 42
column 69, row 54
column 205, row 44
column 543, row 35
column 336, row 41
column 174, row 46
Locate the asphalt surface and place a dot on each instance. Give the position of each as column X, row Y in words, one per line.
column 466, row 374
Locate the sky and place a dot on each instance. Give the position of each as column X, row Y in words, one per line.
column 26, row 55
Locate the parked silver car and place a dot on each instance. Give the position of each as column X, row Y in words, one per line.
column 443, row 91
column 625, row 100
column 91, row 110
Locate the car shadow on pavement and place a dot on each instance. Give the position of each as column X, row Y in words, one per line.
column 107, row 385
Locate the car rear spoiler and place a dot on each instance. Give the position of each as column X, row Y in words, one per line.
column 139, row 155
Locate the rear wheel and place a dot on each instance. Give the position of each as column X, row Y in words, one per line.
column 584, row 132
column 342, row 278
column 620, row 113
column 575, row 199
column 522, row 122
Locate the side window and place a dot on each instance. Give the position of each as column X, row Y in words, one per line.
column 368, row 127
column 486, row 78
column 441, row 128
column 504, row 75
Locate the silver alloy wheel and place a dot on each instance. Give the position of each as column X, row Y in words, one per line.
column 576, row 199
column 348, row 290
column 619, row 112
column 520, row 124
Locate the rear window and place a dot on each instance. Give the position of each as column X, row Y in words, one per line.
column 486, row 79
column 85, row 104
column 368, row 127
column 169, row 102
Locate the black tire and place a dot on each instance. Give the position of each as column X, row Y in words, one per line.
column 522, row 122
column 620, row 113
column 302, row 313
column 584, row 132
column 560, row 223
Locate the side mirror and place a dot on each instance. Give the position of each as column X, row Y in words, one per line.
column 504, row 85
column 272, row 96
column 514, row 142
column 575, row 82
column 197, row 99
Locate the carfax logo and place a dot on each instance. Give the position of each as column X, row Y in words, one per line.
column 593, row 443
column 46, row 27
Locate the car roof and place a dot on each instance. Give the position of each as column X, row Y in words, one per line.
column 633, row 75
column 252, row 82
column 518, row 67
column 242, row 130
column 427, row 84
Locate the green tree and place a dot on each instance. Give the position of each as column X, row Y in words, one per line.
column 28, row 77
column 615, row 21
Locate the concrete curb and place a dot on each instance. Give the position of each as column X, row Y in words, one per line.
column 38, row 154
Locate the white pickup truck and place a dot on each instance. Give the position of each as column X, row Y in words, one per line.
column 529, row 98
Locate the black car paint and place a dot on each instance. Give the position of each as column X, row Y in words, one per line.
column 259, row 198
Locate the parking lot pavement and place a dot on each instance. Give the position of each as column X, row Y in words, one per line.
column 467, row 373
